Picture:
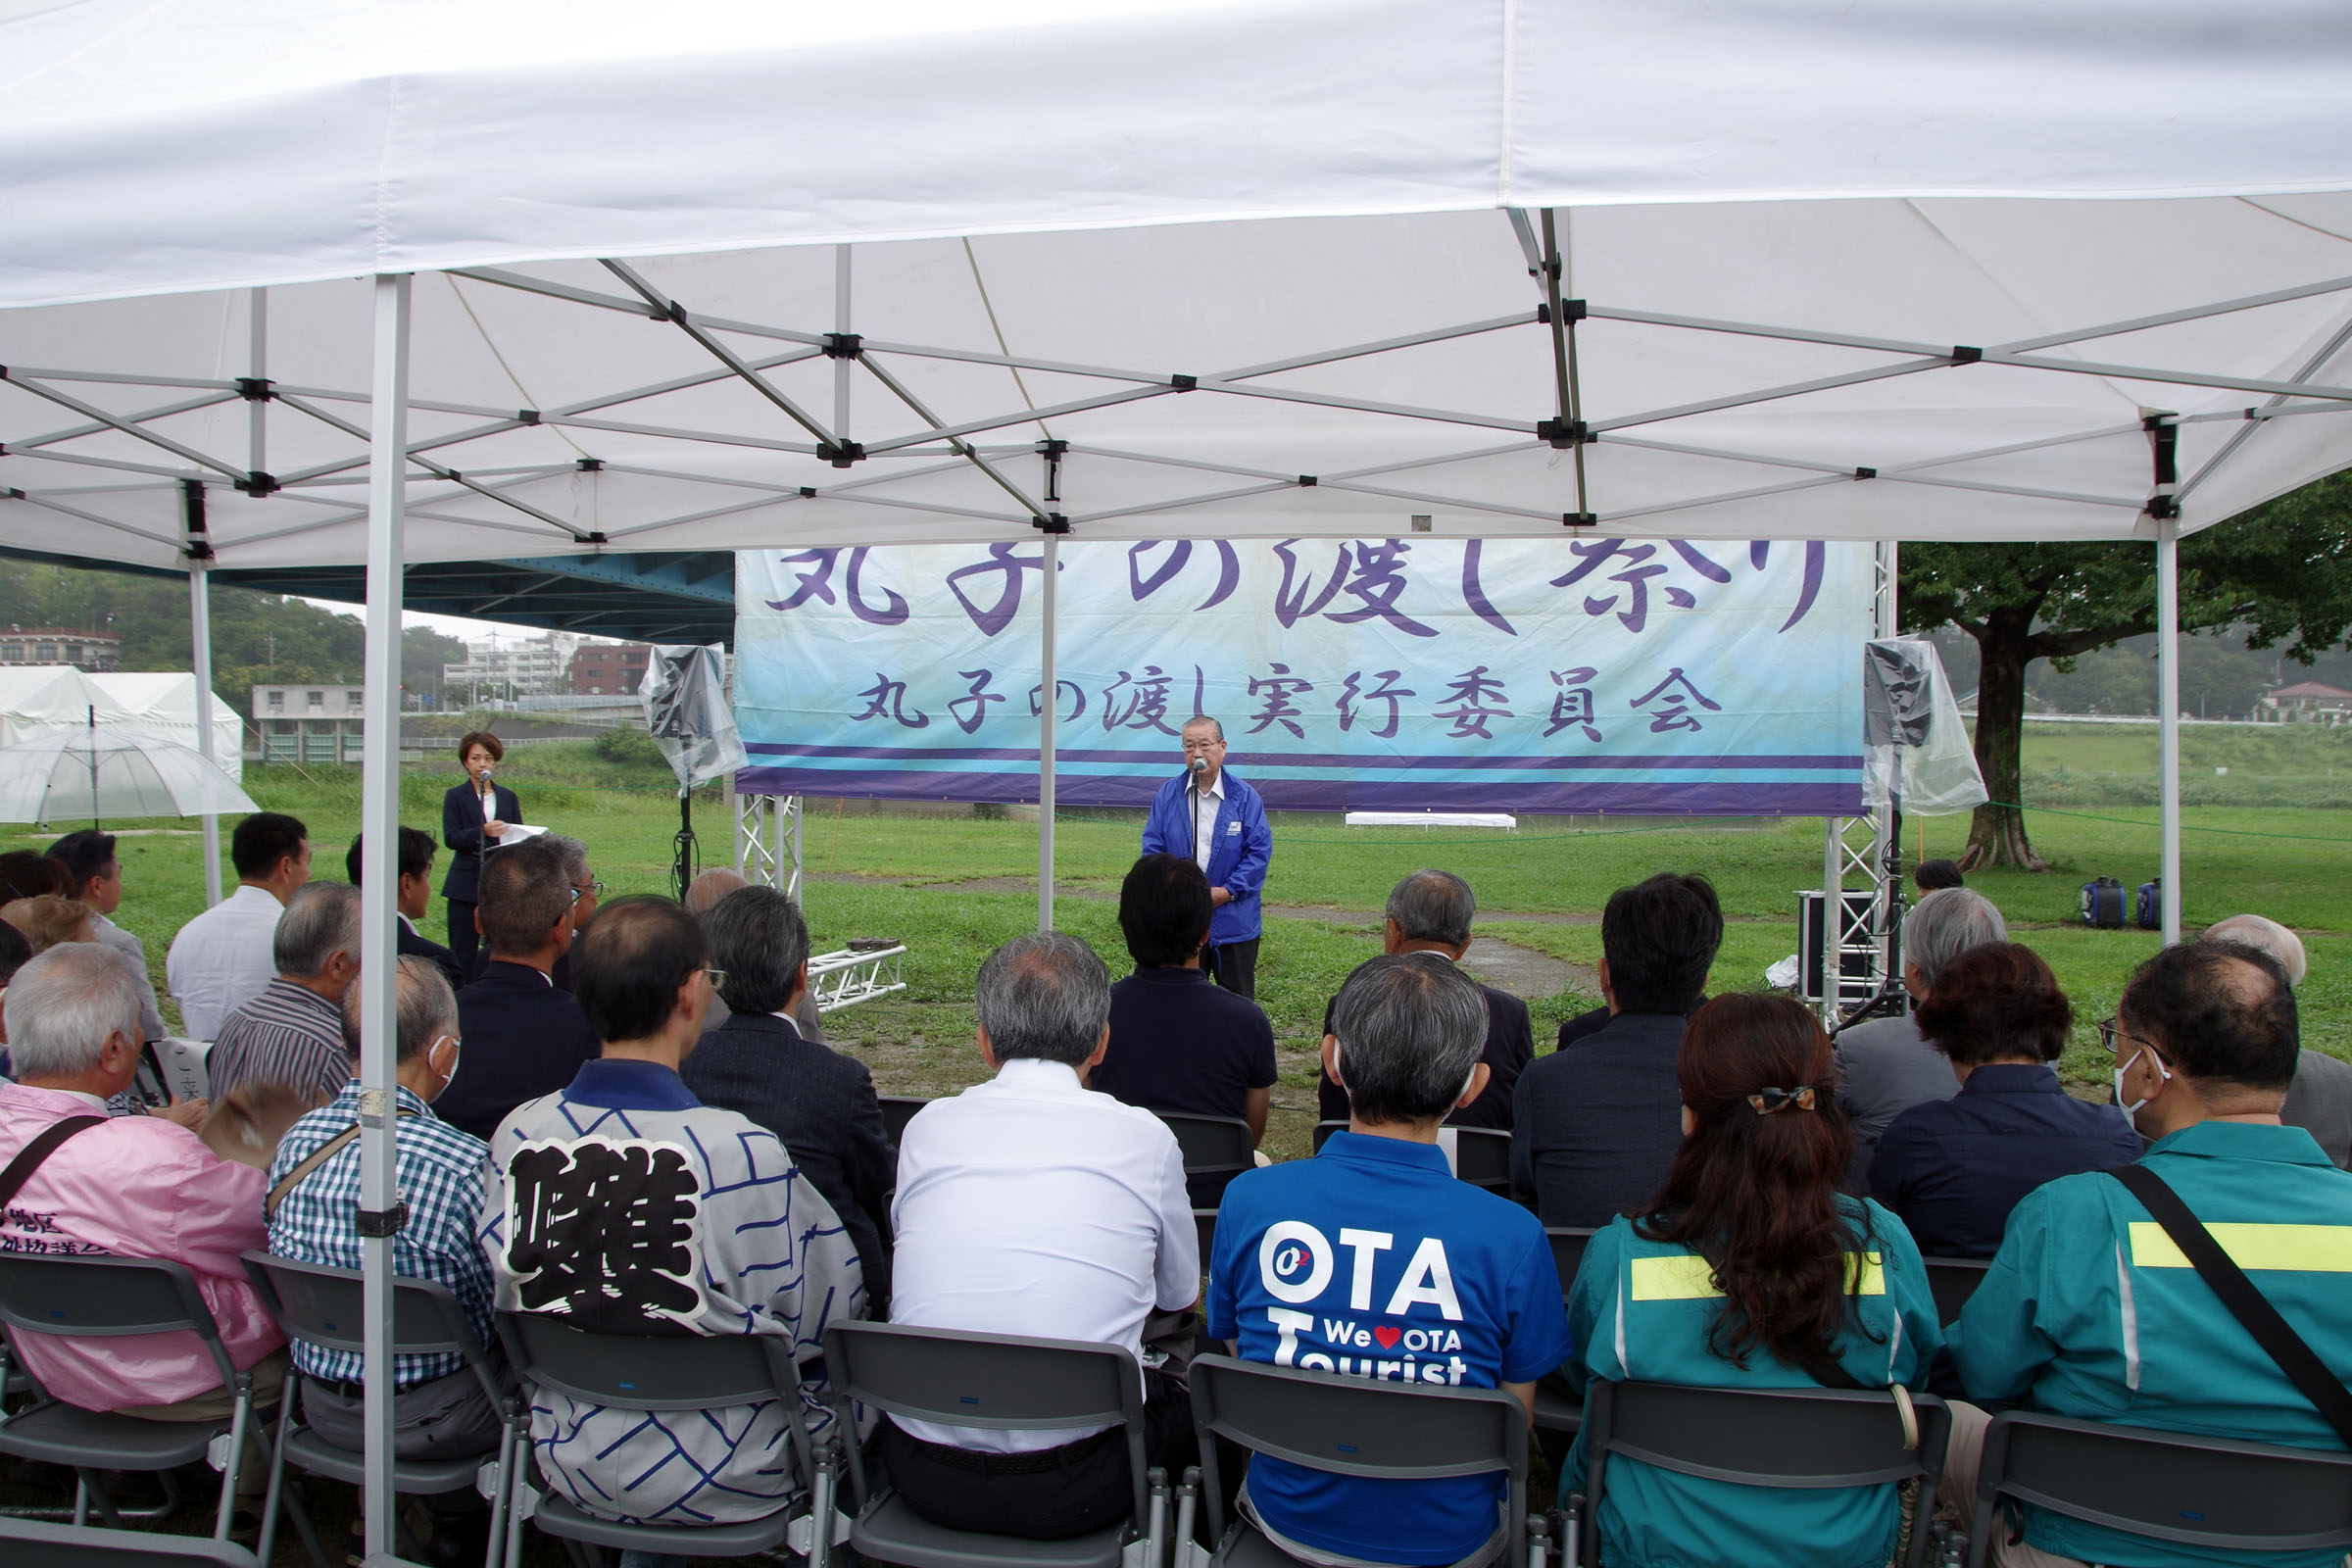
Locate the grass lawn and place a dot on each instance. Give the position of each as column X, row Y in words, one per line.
column 953, row 886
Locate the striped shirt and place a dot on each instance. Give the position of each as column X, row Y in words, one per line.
column 440, row 1176
column 287, row 1034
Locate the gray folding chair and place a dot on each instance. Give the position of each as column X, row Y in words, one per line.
column 28, row 1543
column 1352, row 1427
column 1952, row 1281
column 1004, row 1382
column 1324, row 1130
column 1215, row 1148
column 898, row 1111
column 105, row 1298
column 1813, row 1439
column 1555, row 1412
column 666, row 1373
column 324, row 1307
column 1482, row 1156
column 2176, row 1486
column 1204, row 1229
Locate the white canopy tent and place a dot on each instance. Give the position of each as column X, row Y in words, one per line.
column 746, row 275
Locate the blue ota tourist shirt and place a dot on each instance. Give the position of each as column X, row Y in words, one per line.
column 1371, row 1260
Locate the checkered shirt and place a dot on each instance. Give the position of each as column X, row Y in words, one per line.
column 440, row 1174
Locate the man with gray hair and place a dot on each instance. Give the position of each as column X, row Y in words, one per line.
column 1429, row 911
column 1216, row 821
column 291, row 1035
column 756, row 1062
column 1886, row 1066
column 2320, row 1099
column 1031, row 1205
column 1370, row 1260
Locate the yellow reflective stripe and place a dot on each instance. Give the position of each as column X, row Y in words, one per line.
column 2300, row 1248
column 1688, row 1277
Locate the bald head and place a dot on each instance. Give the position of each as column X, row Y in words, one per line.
column 2256, row 931
column 710, row 887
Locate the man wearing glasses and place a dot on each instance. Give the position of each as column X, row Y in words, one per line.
column 525, row 1037
column 1216, row 821
column 2092, row 1309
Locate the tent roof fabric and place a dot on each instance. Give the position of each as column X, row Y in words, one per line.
column 773, row 277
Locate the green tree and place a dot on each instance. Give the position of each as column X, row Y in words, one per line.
column 2280, row 572
column 422, row 653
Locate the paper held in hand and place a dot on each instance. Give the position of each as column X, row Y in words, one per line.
column 519, row 833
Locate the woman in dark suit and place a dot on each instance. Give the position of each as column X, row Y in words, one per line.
column 474, row 815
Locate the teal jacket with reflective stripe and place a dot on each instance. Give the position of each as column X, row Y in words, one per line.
column 1643, row 1311
column 2088, row 1310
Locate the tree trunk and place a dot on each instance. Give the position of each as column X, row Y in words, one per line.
column 1996, row 836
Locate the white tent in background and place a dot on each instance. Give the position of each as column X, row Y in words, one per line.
column 791, row 275
column 41, row 699
column 164, row 703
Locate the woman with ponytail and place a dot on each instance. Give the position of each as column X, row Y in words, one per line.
column 1751, row 1267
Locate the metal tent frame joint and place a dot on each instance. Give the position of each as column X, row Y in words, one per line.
column 378, row 1223
column 1563, row 433
column 842, row 345
column 257, row 484
column 1962, row 354
column 1866, row 473
column 841, row 454
column 255, row 388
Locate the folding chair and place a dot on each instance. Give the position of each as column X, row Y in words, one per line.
column 1324, row 1130
column 1813, row 1439
column 1555, row 1412
column 105, row 1298
column 2212, row 1492
column 1352, row 1427
column 999, row 1381
column 658, row 1373
column 26, row 1543
column 897, row 1111
column 324, row 1307
column 1216, row 1149
column 1204, row 1228
column 1482, row 1156
column 1952, row 1281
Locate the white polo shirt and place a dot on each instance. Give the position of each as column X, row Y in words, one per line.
column 223, row 958
column 1032, row 1205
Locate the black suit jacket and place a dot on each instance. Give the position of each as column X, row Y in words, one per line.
column 1510, row 1047
column 461, row 831
column 821, row 1104
column 1596, row 1126
column 406, row 944
column 522, row 1039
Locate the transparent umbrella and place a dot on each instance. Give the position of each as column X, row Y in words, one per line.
column 116, row 770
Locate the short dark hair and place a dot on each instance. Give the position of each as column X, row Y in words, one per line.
column 1660, row 938
column 84, row 852
column 2000, row 1000
column 417, row 852
column 523, row 894
column 1410, row 1028
column 15, row 952
column 628, row 966
column 1163, row 910
column 485, row 740
column 263, row 839
column 1433, row 907
column 760, row 941
column 1931, row 875
column 26, row 876
column 2219, row 1011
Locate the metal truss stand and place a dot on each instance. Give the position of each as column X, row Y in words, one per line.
column 767, row 840
column 1863, row 961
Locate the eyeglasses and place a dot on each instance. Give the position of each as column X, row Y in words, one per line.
column 2111, row 1030
column 595, row 885
column 718, row 977
column 1200, row 745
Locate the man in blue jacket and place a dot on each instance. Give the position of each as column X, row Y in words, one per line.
column 1218, row 821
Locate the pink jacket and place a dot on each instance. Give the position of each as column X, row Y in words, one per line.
column 137, row 1187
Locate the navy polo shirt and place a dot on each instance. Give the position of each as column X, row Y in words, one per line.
column 1371, row 1260
column 1955, row 1168
column 1181, row 1044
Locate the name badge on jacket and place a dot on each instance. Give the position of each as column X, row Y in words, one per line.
column 1233, row 830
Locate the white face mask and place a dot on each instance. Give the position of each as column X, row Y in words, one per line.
column 2163, row 1074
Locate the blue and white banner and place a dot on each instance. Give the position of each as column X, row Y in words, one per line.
column 1531, row 675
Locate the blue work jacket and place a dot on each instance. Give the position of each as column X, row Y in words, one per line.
column 1242, row 846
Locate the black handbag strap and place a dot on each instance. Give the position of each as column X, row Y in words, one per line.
column 44, row 1144
column 2252, row 1309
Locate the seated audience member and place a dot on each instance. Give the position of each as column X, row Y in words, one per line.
column 2089, row 1309
column 417, row 852
column 1029, row 1206
column 1748, row 1268
column 572, row 856
column 627, row 1137
column 2320, row 1099
column 1179, row 1041
column 439, row 1410
column 15, row 954
column 1440, row 1283
column 26, row 876
column 95, row 874
column 291, row 1035
column 1934, row 876
column 222, row 959
column 1429, row 911
column 50, row 921
column 701, row 897
column 820, row 1102
column 127, row 1187
column 1886, row 1066
column 1955, row 1168
column 1594, row 1129
column 526, row 1038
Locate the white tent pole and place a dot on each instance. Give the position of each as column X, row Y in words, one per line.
column 200, row 660
column 1048, row 710
column 257, row 360
column 2168, row 708
column 380, row 1210
column 841, row 323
